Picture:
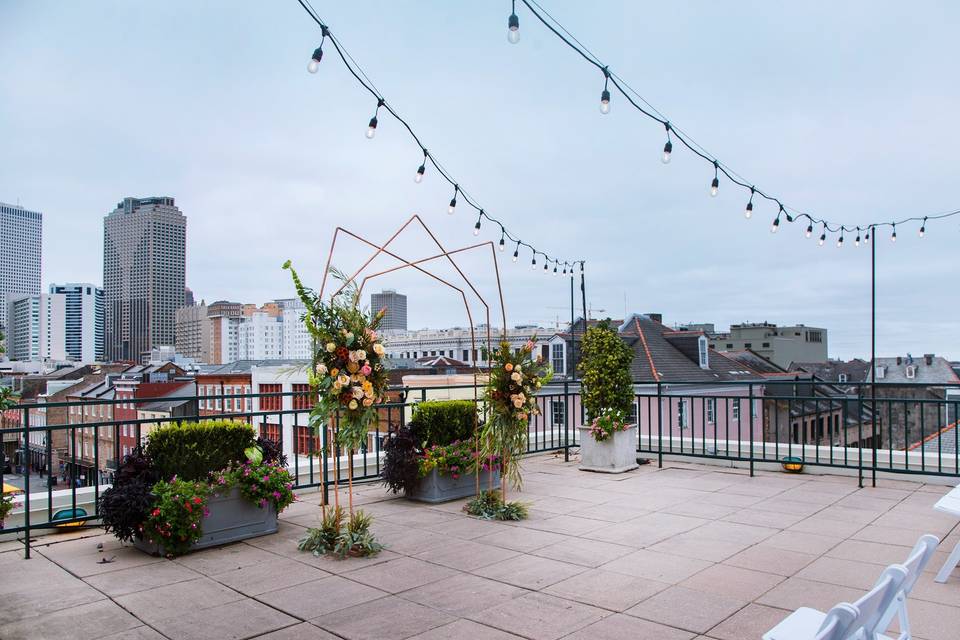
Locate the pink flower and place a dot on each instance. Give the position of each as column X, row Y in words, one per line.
column 276, row 494
column 366, row 370
column 266, row 478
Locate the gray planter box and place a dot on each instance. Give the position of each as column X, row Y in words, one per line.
column 232, row 518
column 439, row 488
column 616, row 454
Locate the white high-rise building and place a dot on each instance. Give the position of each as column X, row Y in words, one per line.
column 297, row 343
column 83, row 320
column 260, row 337
column 37, row 327
column 21, row 234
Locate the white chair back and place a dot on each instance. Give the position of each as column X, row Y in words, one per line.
column 872, row 607
column 915, row 564
column 837, row 625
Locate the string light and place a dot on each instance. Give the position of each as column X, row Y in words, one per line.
column 638, row 102
column 776, row 224
column 856, row 242
column 923, row 227
column 317, row 56
column 823, row 236
column 516, row 252
column 453, row 201
column 605, row 95
column 372, row 128
column 545, row 266
column 840, row 241
column 667, row 148
column 513, row 25
column 866, row 238
column 893, row 236
column 809, row 231
column 748, row 212
column 421, row 169
column 533, row 262
column 502, row 240
column 476, row 227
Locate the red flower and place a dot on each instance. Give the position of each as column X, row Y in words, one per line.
column 155, row 513
column 197, row 500
column 345, row 398
column 343, row 353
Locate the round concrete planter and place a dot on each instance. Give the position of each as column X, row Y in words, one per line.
column 435, row 487
column 232, row 518
column 616, row 454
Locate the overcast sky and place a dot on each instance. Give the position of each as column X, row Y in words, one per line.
column 847, row 110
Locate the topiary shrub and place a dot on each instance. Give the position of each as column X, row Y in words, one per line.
column 440, row 422
column 194, row 450
column 605, row 365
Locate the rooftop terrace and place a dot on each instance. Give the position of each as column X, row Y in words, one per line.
column 687, row 551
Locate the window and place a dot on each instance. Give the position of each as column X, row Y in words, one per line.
column 704, row 352
column 558, row 357
column 881, row 372
column 682, row 414
column 272, row 403
column 911, row 372
column 729, row 345
column 735, row 410
column 270, row 431
column 711, row 410
column 842, row 377
column 747, row 345
column 303, row 401
column 766, row 345
column 558, row 412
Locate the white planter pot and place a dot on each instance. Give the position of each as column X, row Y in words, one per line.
column 616, row 454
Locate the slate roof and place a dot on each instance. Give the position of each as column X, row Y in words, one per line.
column 244, row 366
column 662, row 354
column 938, row 371
column 856, row 370
column 754, row 361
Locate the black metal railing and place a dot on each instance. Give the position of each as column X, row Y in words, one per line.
column 74, row 447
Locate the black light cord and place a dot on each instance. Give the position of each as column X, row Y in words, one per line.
column 555, row 27
column 357, row 72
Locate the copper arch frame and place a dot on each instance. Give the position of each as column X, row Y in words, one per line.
column 415, row 264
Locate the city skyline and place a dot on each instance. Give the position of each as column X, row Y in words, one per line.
column 252, row 163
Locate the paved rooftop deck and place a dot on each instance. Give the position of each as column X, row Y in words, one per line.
column 684, row 552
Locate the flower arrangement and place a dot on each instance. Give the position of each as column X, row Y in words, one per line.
column 7, row 504
column 455, row 459
column 348, row 372
column 174, row 521
column 515, row 378
column 607, row 423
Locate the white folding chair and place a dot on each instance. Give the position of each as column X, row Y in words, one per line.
column 915, row 564
column 949, row 504
column 872, row 607
column 844, row 621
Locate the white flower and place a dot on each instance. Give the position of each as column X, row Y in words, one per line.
column 349, row 336
column 517, row 369
column 516, row 377
column 357, row 393
column 361, row 355
column 378, row 349
column 321, row 369
column 343, row 379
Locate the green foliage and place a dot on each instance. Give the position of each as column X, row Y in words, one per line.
column 489, row 505
column 442, row 422
column 605, row 366
column 7, row 504
column 194, row 450
column 260, row 483
column 124, row 506
column 455, row 460
column 339, row 537
column 178, row 510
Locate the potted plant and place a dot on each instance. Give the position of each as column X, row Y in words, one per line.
column 7, row 504
column 608, row 442
column 436, row 459
column 197, row 485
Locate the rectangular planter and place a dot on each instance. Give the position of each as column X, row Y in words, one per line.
column 616, row 454
column 442, row 488
column 232, row 518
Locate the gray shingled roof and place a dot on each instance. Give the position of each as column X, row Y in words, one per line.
column 938, row 371
column 856, row 370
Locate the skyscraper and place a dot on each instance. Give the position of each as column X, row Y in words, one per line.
column 84, row 320
column 396, row 305
column 21, row 232
column 144, row 275
column 37, row 327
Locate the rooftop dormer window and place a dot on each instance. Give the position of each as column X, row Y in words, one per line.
column 911, row 372
column 704, row 352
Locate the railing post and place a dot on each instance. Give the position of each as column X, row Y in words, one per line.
column 566, row 412
column 750, row 392
column 859, row 447
column 25, row 462
column 659, row 425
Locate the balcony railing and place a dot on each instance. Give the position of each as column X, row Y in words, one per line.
column 896, row 428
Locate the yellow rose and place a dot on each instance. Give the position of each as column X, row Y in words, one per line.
column 353, row 404
column 343, row 379
column 331, row 347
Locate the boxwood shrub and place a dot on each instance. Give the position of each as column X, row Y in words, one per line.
column 441, row 422
column 194, row 450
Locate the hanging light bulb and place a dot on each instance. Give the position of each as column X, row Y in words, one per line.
column 421, row 169
column 866, row 238
column 776, row 224
column 809, row 231
column 372, row 127
column 840, row 240
column 667, row 148
column 893, row 236
column 516, row 252
column 856, row 242
column 315, row 59
column 923, row 227
column 823, row 236
column 748, row 212
column 453, row 201
column 476, row 227
column 605, row 102
column 715, row 185
column 545, row 266
column 564, row 268
column 533, row 262
column 501, row 247
column 513, row 26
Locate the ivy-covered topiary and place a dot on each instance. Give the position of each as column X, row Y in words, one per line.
column 605, row 369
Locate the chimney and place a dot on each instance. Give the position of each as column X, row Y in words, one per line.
column 899, row 360
column 928, row 358
column 656, row 317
